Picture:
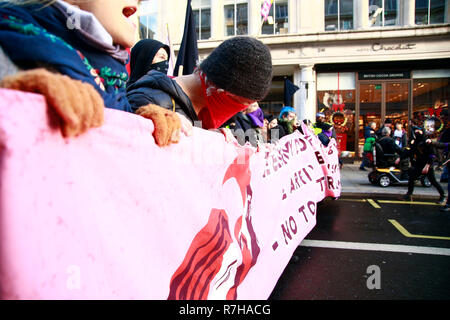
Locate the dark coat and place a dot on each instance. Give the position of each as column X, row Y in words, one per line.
column 244, row 130
column 36, row 36
column 369, row 132
column 157, row 88
column 422, row 153
column 389, row 146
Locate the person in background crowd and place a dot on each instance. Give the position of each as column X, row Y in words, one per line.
column 369, row 130
column 387, row 124
column 370, row 137
column 247, row 125
column 318, row 125
column 400, row 135
column 320, row 120
column 445, row 138
column 236, row 74
column 287, row 120
column 326, row 134
column 146, row 55
column 274, row 130
column 77, row 64
column 388, row 144
column 422, row 154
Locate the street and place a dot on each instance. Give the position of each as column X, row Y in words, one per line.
column 371, row 248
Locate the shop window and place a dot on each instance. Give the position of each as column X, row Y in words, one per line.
column 430, row 11
column 430, row 99
column 148, row 19
column 383, row 13
column 236, row 17
column 201, row 12
column 397, row 100
column 277, row 21
column 273, row 102
column 336, row 98
column 338, row 15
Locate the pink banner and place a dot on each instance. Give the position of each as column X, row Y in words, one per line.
column 110, row 215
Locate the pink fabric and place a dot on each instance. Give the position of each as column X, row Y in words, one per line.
column 109, row 215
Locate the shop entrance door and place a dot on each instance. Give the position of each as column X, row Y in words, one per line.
column 379, row 101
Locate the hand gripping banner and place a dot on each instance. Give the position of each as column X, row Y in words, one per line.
column 110, row 215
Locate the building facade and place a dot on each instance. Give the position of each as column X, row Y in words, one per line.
column 355, row 60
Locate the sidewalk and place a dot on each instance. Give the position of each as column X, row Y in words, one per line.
column 355, row 183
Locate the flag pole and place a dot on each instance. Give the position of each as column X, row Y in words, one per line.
column 172, row 53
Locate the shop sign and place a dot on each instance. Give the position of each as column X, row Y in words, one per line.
column 392, row 47
column 383, row 75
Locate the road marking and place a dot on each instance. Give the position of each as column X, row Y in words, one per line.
column 407, row 234
column 375, row 247
column 408, row 202
column 354, row 200
column 373, row 203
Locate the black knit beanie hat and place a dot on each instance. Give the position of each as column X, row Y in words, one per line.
column 242, row 66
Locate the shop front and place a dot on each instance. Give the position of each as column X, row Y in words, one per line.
column 352, row 100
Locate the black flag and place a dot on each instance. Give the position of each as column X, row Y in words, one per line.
column 188, row 54
column 289, row 90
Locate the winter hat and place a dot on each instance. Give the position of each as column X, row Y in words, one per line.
column 242, row 66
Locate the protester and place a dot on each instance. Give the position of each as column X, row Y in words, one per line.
column 445, row 138
column 422, row 154
column 247, row 125
column 370, row 137
column 274, row 130
column 75, row 56
column 318, row 125
column 146, row 55
column 320, row 119
column 236, row 74
column 443, row 143
column 326, row 134
column 400, row 135
column 287, row 120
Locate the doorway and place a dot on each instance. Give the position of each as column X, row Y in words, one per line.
column 381, row 100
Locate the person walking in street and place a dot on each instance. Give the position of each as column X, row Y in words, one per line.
column 422, row 154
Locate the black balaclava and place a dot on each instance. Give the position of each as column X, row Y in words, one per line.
column 142, row 56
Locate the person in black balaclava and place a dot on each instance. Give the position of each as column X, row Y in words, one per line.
column 422, row 154
column 146, row 55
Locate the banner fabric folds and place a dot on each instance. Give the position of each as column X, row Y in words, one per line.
column 110, row 215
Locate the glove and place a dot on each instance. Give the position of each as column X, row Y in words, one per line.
column 77, row 105
column 167, row 124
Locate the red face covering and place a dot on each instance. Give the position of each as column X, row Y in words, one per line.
column 219, row 107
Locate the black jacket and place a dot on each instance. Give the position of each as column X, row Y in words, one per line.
column 389, row 146
column 157, row 88
column 422, row 153
column 244, row 130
